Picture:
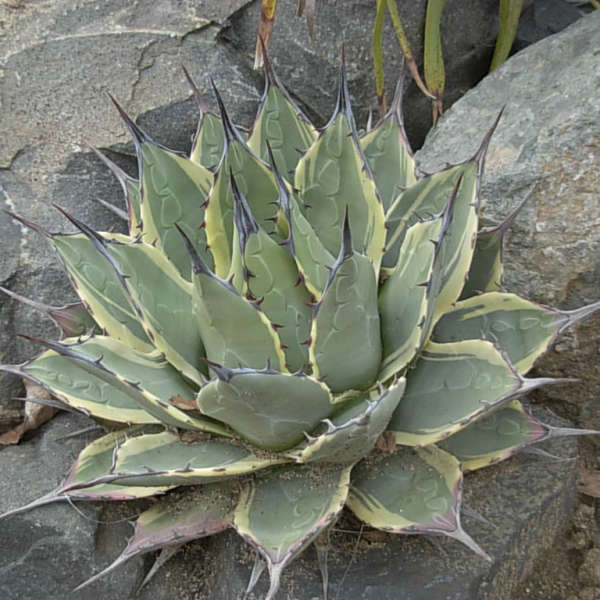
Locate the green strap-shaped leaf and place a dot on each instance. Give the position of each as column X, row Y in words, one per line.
column 98, row 286
column 269, row 273
column 404, row 298
column 94, row 461
column 451, row 385
column 280, row 122
column 209, row 142
column 388, row 153
column 424, row 199
column 184, row 515
column 234, row 330
column 410, row 491
column 494, row 437
column 279, row 518
column 523, row 330
column 160, row 459
column 163, row 302
column 269, row 409
column 123, row 370
column 345, row 340
column 352, row 432
column 333, row 178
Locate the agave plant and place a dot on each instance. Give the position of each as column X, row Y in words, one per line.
column 294, row 323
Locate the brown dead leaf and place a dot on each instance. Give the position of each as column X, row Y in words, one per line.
column 589, row 483
column 35, row 414
column 183, row 403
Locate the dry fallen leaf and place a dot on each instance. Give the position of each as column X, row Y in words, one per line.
column 35, row 414
column 182, row 403
column 589, row 483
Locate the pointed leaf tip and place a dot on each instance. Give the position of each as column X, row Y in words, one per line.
column 200, row 99
column 481, row 153
column 29, row 224
column 244, row 219
column 94, row 236
column 230, row 130
column 198, row 264
column 139, row 136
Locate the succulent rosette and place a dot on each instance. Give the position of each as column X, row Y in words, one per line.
column 295, row 322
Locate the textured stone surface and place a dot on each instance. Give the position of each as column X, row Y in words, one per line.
column 49, row 551
column 549, row 141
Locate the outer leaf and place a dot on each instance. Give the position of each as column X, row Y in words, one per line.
column 280, row 122
column 161, row 298
column 115, row 365
column 184, row 515
column 73, row 319
column 495, row 437
column 160, row 459
column 353, row 432
column 277, row 516
column 163, row 301
column 388, row 153
column 93, row 461
column 332, row 179
column 410, row 491
column 404, row 299
column 523, row 330
column 269, row 409
column 83, row 391
column 345, row 346
column 173, row 191
column 98, row 286
column 451, row 385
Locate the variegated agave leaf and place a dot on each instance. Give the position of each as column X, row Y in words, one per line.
column 293, row 323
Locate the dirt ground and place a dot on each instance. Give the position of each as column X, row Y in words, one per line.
column 570, row 570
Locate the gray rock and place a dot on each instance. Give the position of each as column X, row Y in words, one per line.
column 547, row 141
column 49, row 551
column 589, row 571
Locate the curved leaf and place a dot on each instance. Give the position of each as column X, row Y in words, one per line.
column 269, row 409
column 494, row 437
column 345, row 340
column 410, row 491
column 167, row 459
column 353, row 431
column 523, row 330
column 277, row 517
column 451, row 385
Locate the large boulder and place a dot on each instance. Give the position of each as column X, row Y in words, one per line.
column 547, row 144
